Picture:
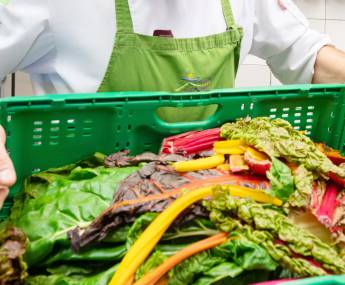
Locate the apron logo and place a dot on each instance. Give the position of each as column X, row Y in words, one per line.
column 193, row 83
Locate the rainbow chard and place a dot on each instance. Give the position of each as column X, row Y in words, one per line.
column 191, row 142
column 258, row 162
column 336, row 179
column 237, row 163
column 328, row 205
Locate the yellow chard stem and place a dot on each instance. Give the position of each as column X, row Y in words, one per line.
column 228, row 143
column 199, row 164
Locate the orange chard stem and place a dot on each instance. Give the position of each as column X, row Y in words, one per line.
column 172, row 261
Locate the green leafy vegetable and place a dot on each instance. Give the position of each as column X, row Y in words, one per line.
column 74, row 277
column 117, row 236
column 279, row 139
column 57, row 201
column 247, row 254
column 60, row 199
column 265, row 226
column 219, row 272
column 281, row 179
column 138, row 227
column 188, row 270
column 151, row 263
column 105, row 253
column 247, row 277
column 194, row 228
column 303, row 179
column 228, row 260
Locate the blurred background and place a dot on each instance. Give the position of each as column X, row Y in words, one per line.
column 327, row 16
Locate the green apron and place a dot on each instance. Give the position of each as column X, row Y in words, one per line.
column 151, row 63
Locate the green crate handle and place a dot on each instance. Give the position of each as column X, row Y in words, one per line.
column 186, row 126
column 206, row 123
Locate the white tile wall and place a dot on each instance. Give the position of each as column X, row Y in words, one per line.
column 7, row 87
column 336, row 30
column 251, row 75
column 312, row 9
column 318, row 25
column 335, row 9
column 324, row 15
column 23, row 85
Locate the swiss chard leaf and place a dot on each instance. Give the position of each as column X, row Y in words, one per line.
column 109, row 253
column 151, row 263
column 187, row 271
column 225, row 261
column 74, row 277
column 219, row 272
column 139, row 226
column 56, row 202
column 247, row 277
column 281, row 179
column 246, row 254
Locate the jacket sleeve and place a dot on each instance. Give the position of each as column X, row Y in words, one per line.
column 283, row 38
column 25, row 34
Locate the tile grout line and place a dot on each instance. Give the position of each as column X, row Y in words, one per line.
column 324, row 20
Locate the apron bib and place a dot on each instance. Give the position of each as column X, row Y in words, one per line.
column 150, row 63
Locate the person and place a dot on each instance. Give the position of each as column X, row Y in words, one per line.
column 68, row 46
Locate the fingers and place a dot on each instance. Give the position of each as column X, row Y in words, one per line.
column 7, row 172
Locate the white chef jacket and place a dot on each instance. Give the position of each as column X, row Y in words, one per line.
column 65, row 45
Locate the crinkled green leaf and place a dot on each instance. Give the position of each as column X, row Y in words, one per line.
column 74, row 278
column 264, row 226
column 54, row 204
column 70, row 270
column 151, row 263
column 197, row 227
column 187, row 271
column 247, row 277
column 218, row 273
column 303, row 179
column 227, row 260
column 109, row 253
column 278, row 138
column 281, row 180
column 117, row 236
column 139, row 226
column 246, row 254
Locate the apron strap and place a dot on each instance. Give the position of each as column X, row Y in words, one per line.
column 228, row 15
column 123, row 17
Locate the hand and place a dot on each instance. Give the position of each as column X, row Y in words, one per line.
column 7, row 173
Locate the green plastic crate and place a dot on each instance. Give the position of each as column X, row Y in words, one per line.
column 50, row 131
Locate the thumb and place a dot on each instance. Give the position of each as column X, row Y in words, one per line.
column 3, row 195
column 7, row 173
